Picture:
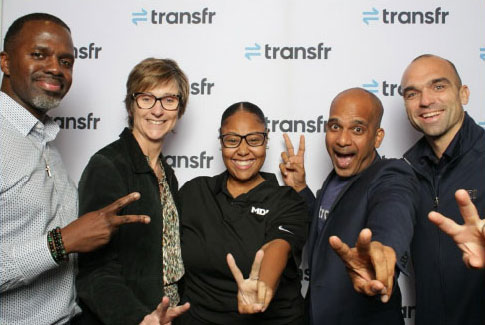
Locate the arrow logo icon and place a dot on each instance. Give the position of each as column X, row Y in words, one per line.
column 482, row 55
column 138, row 16
column 372, row 87
column 252, row 51
column 370, row 15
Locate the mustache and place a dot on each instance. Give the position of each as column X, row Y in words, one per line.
column 41, row 76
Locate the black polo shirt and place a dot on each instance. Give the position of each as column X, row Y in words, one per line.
column 213, row 223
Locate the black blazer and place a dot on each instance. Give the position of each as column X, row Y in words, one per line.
column 380, row 198
column 122, row 282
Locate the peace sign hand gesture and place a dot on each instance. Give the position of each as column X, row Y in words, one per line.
column 293, row 166
column 253, row 295
column 469, row 237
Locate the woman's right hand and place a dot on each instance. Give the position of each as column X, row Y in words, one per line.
column 164, row 314
column 253, row 295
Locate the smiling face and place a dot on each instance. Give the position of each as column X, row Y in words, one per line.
column 433, row 96
column 151, row 125
column 243, row 162
column 38, row 66
column 352, row 132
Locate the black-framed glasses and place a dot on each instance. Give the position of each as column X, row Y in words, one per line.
column 147, row 101
column 232, row 140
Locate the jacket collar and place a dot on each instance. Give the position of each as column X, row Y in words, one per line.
column 139, row 160
column 463, row 141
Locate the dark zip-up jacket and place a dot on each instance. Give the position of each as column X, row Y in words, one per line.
column 446, row 291
column 382, row 198
column 122, row 282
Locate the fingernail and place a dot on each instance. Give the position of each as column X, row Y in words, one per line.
column 385, row 298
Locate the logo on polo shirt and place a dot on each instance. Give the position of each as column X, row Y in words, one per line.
column 259, row 211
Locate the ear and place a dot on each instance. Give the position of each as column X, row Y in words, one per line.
column 464, row 93
column 379, row 137
column 4, row 63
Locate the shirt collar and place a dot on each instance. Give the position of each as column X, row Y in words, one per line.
column 25, row 122
column 254, row 196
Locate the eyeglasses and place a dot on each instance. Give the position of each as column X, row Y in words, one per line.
column 232, row 140
column 147, row 101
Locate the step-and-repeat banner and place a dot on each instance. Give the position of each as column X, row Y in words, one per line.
column 288, row 57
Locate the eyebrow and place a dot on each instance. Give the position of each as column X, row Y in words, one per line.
column 336, row 120
column 434, row 81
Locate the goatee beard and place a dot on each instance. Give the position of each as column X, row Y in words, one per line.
column 44, row 103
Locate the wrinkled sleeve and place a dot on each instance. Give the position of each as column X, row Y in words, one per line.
column 100, row 284
column 392, row 207
column 24, row 262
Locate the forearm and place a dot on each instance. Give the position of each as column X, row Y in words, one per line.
column 276, row 254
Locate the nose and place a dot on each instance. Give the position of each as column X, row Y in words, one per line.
column 426, row 98
column 344, row 138
column 157, row 109
column 243, row 150
column 53, row 66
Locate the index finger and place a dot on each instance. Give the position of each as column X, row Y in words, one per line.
column 236, row 272
column 341, row 248
column 289, row 145
column 301, row 146
column 446, row 225
column 467, row 208
column 119, row 204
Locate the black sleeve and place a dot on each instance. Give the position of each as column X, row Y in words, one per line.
column 290, row 223
column 392, row 208
column 100, row 284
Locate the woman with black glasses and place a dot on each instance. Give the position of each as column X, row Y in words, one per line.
column 242, row 234
column 125, row 280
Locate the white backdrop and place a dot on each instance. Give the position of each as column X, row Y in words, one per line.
column 288, row 57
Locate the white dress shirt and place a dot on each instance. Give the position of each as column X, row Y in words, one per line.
column 36, row 195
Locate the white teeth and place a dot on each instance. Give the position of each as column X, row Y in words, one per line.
column 155, row 122
column 430, row 114
column 243, row 163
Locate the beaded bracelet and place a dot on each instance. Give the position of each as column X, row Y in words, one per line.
column 56, row 246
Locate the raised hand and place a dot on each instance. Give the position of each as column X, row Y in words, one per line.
column 469, row 237
column 293, row 166
column 94, row 229
column 369, row 264
column 253, row 295
column 164, row 314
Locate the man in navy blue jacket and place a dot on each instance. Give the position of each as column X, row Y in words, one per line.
column 450, row 156
column 362, row 191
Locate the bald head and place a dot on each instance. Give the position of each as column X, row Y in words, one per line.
column 435, row 60
column 366, row 98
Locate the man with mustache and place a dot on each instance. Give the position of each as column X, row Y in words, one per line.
column 450, row 156
column 362, row 191
column 40, row 232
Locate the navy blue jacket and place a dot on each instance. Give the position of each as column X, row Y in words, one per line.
column 446, row 291
column 380, row 198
